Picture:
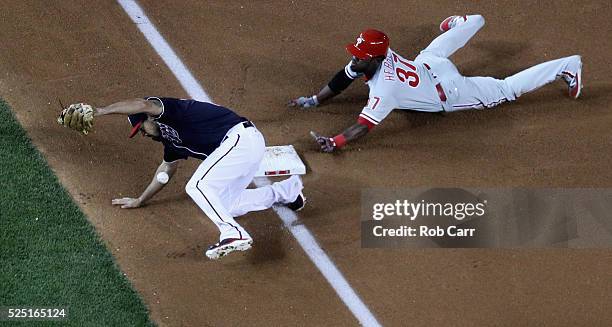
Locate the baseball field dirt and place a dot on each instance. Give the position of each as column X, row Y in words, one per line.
column 254, row 57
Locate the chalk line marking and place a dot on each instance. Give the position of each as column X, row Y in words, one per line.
column 306, row 240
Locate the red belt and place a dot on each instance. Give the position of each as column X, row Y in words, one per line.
column 439, row 88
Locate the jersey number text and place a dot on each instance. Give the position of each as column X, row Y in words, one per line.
column 407, row 76
column 373, row 104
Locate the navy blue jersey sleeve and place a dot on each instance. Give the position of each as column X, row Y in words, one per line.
column 190, row 128
column 170, row 155
column 171, row 113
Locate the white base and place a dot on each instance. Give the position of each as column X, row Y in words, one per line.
column 281, row 160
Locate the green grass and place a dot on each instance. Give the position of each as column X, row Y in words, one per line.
column 49, row 253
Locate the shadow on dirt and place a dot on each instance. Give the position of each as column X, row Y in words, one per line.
column 270, row 240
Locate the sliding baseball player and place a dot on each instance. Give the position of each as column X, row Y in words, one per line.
column 431, row 82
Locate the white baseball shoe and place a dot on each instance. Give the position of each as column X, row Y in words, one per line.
column 451, row 22
column 228, row 246
column 300, row 201
column 574, row 82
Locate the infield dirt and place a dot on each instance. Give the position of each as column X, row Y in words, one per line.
column 253, row 57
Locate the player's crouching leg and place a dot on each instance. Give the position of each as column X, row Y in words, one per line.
column 233, row 236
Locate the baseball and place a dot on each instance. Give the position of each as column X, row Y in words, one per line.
column 163, row 177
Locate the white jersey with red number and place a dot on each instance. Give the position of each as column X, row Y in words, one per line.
column 399, row 84
column 421, row 84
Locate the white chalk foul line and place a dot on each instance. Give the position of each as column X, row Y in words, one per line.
column 327, row 267
column 163, row 49
column 300, row 232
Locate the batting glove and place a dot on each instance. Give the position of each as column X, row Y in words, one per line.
column 327, row 144
column 305, row 102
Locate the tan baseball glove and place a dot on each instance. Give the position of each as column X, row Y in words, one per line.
column 78, row 116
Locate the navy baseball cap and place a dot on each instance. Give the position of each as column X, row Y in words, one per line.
column 136, row 121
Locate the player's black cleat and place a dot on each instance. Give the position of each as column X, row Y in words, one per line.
column 298, row 204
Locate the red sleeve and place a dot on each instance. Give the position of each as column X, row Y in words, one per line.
column 365, row 122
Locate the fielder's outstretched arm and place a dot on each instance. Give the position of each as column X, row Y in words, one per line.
column 154, row 187
column 129, row 107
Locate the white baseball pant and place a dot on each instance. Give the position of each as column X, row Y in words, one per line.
column 485, row 92
column 219, row 185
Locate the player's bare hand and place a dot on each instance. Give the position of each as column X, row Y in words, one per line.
column 304, row 102
column 327, row 144
column 127, row 203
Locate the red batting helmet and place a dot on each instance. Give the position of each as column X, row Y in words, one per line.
column 370, row 43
